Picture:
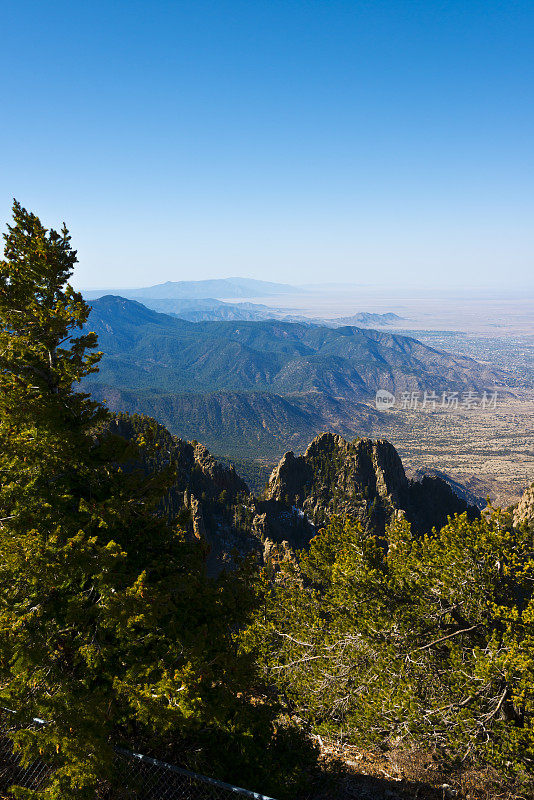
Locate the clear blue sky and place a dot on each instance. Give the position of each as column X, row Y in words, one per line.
column 288, row 140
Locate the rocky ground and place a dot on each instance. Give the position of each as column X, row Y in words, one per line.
column 356, row 774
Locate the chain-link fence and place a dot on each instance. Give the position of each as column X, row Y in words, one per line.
column 32, row 776
column 155, row 780
column 140, row 777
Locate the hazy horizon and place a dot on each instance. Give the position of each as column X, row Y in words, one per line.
column 399, row 290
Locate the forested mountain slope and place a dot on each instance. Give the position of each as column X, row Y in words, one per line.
column 147, row 350
column 248, row 425
column 253, row 389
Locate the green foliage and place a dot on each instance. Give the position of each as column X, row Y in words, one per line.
column 408, row 641
column 109, row 627
column 40, row 358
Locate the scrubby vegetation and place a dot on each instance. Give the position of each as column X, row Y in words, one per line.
column 410, row 642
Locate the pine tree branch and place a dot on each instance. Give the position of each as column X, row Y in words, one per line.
column 444, row 638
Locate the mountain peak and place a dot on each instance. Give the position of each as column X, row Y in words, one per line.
column 214, row 288
column 363, row 478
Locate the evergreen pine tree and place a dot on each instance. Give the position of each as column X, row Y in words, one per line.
column 109, row 629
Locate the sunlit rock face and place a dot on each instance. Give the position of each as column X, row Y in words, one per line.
column 365, row 479
column 524, row 511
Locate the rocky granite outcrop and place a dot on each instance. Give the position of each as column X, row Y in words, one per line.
column 471, row 492
column 209, row 499
column 197, row 471
column 217, row 478
column 364, row 478
column 524, row 511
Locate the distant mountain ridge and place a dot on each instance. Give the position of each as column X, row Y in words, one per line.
column 214, row 288
column 210, row 309
column 368, row 318
column 244, row 385
column 207, row 301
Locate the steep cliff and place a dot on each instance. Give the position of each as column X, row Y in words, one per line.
column 524, row 511
column 365, row 479
column 208, row 498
